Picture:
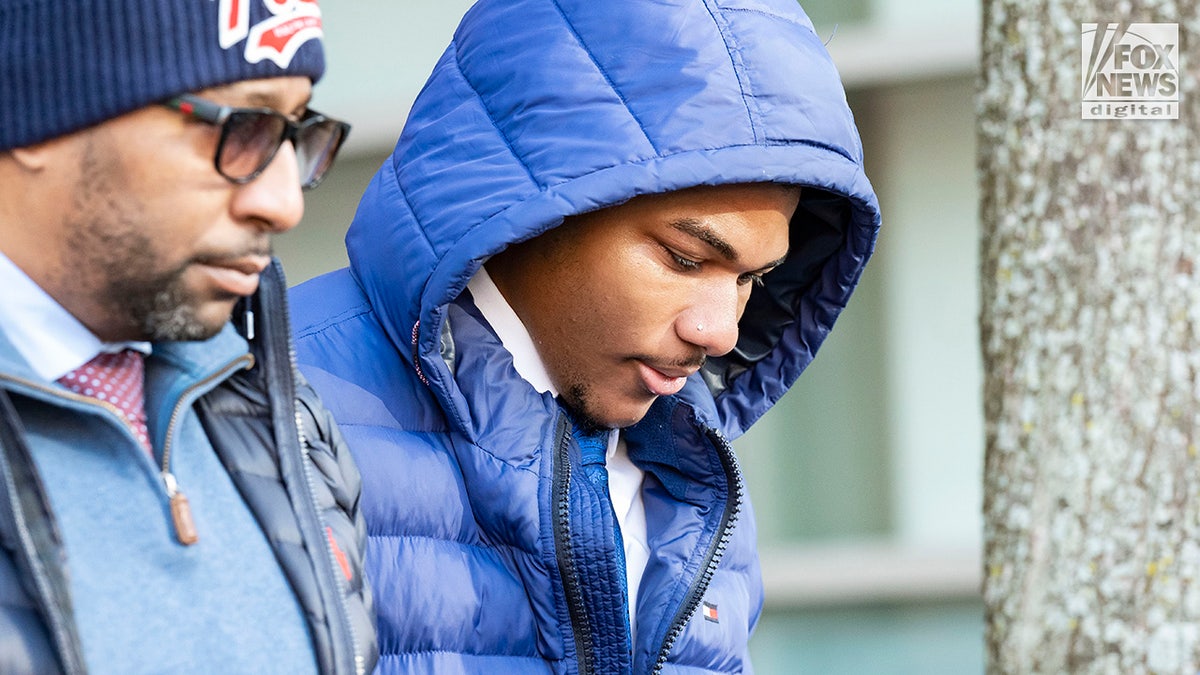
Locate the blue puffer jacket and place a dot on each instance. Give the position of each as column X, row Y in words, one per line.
column 480, row 551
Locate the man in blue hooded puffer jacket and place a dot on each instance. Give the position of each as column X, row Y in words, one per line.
column 629, row 221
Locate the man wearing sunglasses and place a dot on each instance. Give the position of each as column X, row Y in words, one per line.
column 173, row 496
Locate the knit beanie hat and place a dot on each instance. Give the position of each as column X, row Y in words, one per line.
column 68, row 64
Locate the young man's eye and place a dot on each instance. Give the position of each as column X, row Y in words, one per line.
column 756, row 279
column 683, row 263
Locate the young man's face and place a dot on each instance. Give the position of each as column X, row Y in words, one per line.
column 144, row 239
column 624, row 303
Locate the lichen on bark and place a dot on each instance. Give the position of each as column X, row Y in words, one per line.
column 1090, row 308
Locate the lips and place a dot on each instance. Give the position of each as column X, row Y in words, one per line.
column 663, row 380
column 236, row 275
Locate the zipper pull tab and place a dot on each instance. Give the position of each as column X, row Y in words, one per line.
column 181, row 512
column 250, row 319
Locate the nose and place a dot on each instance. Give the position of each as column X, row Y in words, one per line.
column 711, row 322
column 274, row 198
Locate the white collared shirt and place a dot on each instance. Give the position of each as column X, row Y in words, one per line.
column 47, row 336
column 624, row 477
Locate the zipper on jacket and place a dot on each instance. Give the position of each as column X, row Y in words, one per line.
column 181, row 512
column 562, row 547
column 283, row 377
column 331, row 555
column 416, row 353
column 716, row 550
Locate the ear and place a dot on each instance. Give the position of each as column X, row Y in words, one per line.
column 33, row 158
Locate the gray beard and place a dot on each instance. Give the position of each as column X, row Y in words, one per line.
column 167, row 315
column 115, row 253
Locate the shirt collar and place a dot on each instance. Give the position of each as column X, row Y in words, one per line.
column 47, row 336
column 512, row 333
column 515, row 338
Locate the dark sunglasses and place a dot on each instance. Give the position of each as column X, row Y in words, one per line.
column 250, row 137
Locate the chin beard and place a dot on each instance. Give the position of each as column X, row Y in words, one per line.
column 575, row 401
column 168, row 314
column 175, row 320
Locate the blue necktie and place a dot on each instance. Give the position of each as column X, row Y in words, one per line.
column 598, row 554
column 593, row 451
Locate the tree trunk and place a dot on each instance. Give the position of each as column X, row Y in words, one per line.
column 1091, row 344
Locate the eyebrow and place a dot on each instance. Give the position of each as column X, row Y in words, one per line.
column 267, row 100
column 694, row 228
column 258, row 98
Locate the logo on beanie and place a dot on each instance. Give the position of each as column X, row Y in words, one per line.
column 278, row 37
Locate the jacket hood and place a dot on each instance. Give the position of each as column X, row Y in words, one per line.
column 542, row 109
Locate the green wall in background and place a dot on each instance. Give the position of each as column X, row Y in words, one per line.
column 817, row 463
column 826, row 14
column 943, row 638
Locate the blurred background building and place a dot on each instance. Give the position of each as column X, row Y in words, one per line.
column 866, row 477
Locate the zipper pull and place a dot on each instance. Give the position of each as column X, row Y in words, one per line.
column 181, row 513
column 249, row 318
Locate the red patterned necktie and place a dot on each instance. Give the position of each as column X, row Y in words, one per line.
column 117, row 379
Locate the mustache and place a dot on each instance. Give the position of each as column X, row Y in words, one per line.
column 696, row 361
column 257, row 249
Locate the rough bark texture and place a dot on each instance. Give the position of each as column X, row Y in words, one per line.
column 1091, row 342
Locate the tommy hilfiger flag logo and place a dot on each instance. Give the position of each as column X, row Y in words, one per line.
column 710, row 612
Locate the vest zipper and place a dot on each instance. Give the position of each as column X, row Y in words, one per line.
column 716, row 550
column 331, row 556
column 562, row 547
column 283, row 377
